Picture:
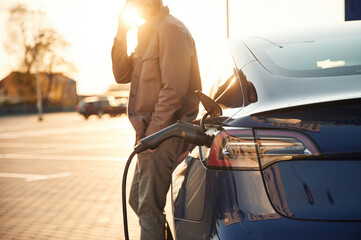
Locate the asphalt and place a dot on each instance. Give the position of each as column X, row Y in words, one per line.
column 61, row 178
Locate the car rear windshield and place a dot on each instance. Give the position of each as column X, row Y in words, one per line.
column 327, row 57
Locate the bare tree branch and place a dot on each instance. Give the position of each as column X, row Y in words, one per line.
column 30, row 40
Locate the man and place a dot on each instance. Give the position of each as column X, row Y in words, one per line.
column 164, row 73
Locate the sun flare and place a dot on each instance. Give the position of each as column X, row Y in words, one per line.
column 131, row 17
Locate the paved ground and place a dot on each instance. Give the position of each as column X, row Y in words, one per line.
column 61, row 178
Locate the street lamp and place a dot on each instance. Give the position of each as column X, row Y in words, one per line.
column 39, row 105
column 227, row 16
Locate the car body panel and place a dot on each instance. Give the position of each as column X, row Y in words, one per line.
column 189, row 190
column 316, row 189
column 300, row 91
column 314, row 195
column 237, row 207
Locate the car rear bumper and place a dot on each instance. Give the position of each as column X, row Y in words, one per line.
column 237, row 206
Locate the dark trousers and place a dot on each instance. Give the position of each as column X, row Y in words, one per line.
column 151, row 181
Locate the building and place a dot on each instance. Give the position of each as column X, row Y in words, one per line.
column 19, row 88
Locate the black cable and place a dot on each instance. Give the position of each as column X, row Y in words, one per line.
column 188, row 132
column 124, row 199
column 203, row 121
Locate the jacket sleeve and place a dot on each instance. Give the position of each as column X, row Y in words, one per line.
column 176, row 48
column 122, row 64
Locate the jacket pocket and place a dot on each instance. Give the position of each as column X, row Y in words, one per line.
column 149, row 84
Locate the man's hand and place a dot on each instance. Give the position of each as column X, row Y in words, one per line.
column 148, row 150
column 123, row 24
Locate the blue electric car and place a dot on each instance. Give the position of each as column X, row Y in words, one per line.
column 285, row 161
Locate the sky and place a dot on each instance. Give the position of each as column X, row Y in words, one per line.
column 90, row 27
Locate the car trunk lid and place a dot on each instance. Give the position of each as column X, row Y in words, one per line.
column 312, row 167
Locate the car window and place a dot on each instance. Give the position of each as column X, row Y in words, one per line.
column 222, row 84
column 322, row 57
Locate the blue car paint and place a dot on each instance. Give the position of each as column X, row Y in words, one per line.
column 239, row 204
column 226, row 204
column 237, row 207
column 316, row 190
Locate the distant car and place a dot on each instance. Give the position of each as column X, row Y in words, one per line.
column 102, row 105
column 285, row 162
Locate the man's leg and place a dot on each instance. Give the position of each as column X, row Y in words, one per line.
column 155, row 172
column 134, row 190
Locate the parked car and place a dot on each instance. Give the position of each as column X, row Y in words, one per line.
column 102, row 105
column 285, row 162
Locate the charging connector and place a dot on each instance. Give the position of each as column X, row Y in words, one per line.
column 188, row 132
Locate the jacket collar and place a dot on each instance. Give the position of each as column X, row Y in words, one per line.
column 146, row 31
column 155, row 21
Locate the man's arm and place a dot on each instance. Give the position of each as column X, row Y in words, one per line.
column 176, row 49
column 122, row 64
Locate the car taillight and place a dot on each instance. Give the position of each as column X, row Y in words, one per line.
column 233, row 149
column 283, row 145
column 240, row 150
column 89, row 107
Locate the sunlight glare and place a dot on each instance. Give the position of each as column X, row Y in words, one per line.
column 131, row 17
column 330, row 64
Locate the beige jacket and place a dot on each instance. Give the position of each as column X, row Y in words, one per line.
column 163, row 72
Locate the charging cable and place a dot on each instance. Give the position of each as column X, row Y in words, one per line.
column 188, row 132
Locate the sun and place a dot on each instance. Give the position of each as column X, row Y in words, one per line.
column 131, row 17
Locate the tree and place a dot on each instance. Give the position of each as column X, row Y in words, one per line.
column 33, row 42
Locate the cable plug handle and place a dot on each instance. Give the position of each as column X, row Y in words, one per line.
column 188, row 132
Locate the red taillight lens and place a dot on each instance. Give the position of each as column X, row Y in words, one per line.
column 283, row 145
column 240, row 150
column 89, row 107
column 233, row 149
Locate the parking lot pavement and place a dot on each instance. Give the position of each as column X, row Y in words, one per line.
column 61, row 178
